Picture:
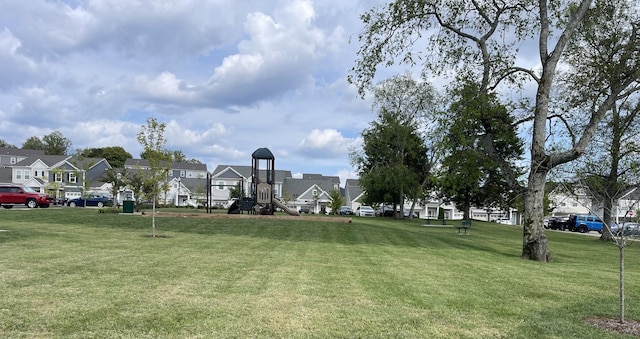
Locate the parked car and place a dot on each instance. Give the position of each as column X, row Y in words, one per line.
column 13, row 194
column 628, row 229
column 345, row 210
column 94, row 200
column 365, row 211
column 304, row 210
column 584, row 223
column 414, row 215
column 385, row 211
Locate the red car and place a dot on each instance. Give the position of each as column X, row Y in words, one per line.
column 12, row 194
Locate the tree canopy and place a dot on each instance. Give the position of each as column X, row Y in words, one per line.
column 483, row 40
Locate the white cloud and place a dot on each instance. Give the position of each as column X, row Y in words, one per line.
column 324, row 144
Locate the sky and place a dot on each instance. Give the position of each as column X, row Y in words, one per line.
column 226, row 77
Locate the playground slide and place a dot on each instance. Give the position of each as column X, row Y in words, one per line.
column 288, row 210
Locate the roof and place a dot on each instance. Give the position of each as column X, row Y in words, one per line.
column 132, row 163
column 232, row 172
column 262, row 153
column 49, row 160
column 20, row 151
column 295, row 186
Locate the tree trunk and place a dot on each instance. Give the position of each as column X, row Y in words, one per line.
column 534, row 246
column 607, row 217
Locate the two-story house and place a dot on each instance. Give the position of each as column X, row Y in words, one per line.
column 311, row 192
column 186, row 182
column 62, row 176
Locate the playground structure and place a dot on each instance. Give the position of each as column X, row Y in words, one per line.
column 260, row 199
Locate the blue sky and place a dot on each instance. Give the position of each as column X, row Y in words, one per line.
column 226, row 76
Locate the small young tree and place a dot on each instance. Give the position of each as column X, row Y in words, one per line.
column 336, row 201
column 151, row 137
column 117, row 180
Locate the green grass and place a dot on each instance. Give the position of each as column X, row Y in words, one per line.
column 77, row 273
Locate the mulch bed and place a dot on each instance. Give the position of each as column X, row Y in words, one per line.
column 629, row 327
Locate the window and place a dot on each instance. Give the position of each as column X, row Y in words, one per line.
column 58, row 177
column 27, row 174
column 220, row 185
column 315, row 193
column 336, row 187
column 72, row 178
column 18, row 174
column 183, row 174
column 13, row 160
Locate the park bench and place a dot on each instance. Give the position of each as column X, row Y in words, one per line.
column 464, row 226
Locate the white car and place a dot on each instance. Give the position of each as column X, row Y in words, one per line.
column 365, row 211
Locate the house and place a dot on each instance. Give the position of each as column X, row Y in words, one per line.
column 311, row 192
column 186, row 182
column 62, row 176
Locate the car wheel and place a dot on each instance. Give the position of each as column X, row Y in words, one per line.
column 31, row 203
column 100, row 204
column 7, row 206
column 72, row 204
column 583, row 229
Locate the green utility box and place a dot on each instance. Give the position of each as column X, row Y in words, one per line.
column 128, row 206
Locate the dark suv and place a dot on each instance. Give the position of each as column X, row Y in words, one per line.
column 12, row 194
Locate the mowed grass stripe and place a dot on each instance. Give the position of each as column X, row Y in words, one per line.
column 77, row 273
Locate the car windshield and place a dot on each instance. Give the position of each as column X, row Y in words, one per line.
column 29, row 189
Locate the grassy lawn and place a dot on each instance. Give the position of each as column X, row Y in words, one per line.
column 77, row 273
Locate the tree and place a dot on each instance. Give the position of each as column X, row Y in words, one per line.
column 336, row 201
column 393, row 162
column 5, row 144
column 134, row 179
column 469, row 175
column 34, row 143
column 151, row 138
column 56, row 144
column 237, row 192
column 117, row 179
column 115, row 155
column 481, row 40
column 610, row 167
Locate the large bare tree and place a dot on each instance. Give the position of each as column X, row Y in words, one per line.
column 487, row 40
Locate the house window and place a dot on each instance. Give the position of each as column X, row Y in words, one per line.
column 315, row 193
column 220, row 185
column 183, row 174
column 13, row 160
column 336, row 187
column 58, row 177
column 27, row 174
column 72, row 178
column 18, row 174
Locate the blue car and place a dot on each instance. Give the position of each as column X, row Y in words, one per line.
column 94, row 200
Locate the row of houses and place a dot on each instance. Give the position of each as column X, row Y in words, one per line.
column 68, row 177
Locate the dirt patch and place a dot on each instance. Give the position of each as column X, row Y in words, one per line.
column 249, row 216
column 629, row 327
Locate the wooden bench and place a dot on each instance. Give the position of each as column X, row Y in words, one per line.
column 464, row 225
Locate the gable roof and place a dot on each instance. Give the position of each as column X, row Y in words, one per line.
column 48, row 160
column 296, row 187
column 232, row 172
